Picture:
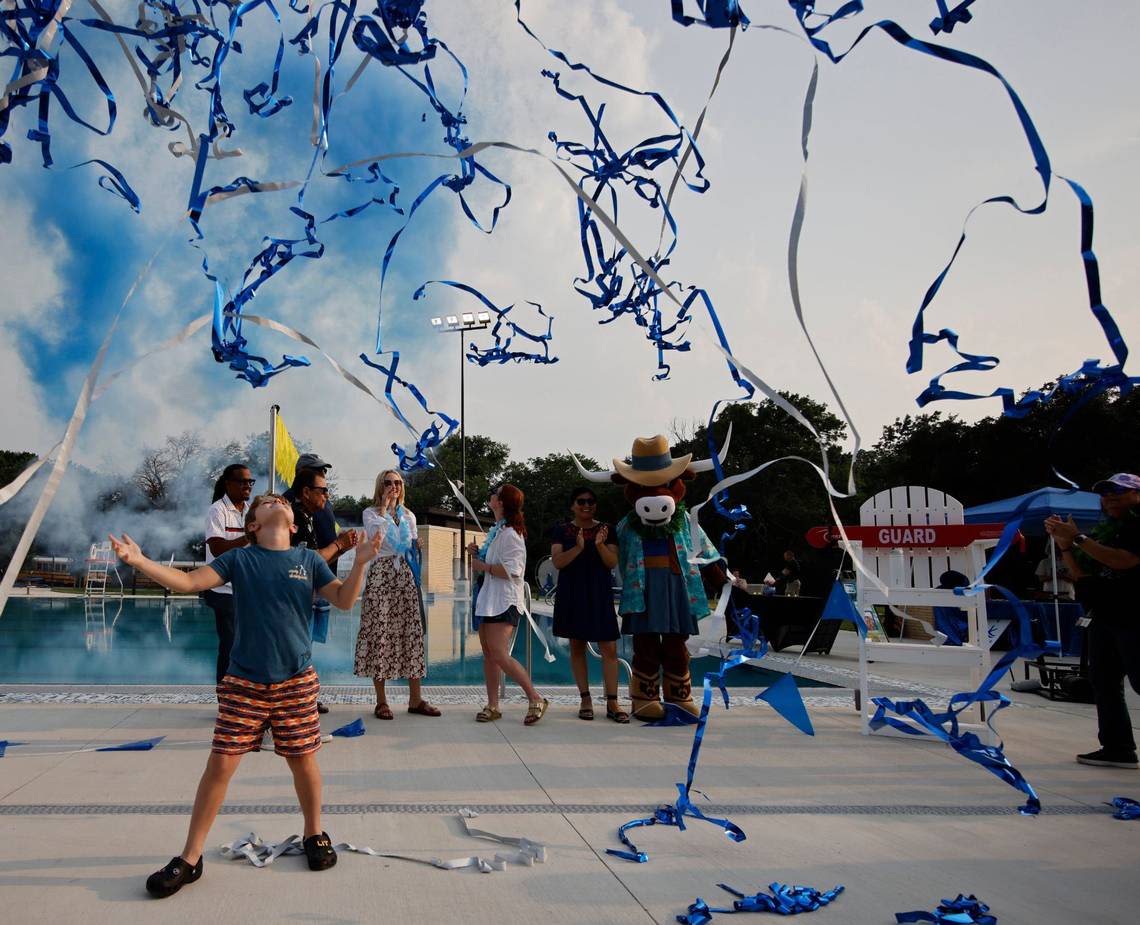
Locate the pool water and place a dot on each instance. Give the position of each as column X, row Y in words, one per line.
column 151, row 640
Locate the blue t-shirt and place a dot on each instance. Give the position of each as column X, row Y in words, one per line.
column 273, row 599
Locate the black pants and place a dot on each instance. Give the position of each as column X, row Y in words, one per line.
column 1114, row 654
column 223, row 607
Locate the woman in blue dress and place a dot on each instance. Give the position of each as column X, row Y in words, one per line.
column 584, row 551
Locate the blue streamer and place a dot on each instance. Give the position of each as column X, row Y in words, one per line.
column 415, row 456
column 949, row 17
column 965, row 910
column 350, row 730
column 716, row 14
column 783, row 899
column 755, row 647
column 5, row 744
column 142, row 745
column 1123, row 807
column 502, row 351
column 812, row 24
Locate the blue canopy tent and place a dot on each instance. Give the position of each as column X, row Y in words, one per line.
column 1033, row 507
column 1082, row 506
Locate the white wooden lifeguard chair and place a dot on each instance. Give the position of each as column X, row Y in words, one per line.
column 908, row 538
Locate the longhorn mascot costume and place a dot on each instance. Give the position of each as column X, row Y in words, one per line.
column 660, row 558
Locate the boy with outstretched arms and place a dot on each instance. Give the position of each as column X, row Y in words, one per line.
column 270, row 682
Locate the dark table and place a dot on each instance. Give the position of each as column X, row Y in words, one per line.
column 788, row 621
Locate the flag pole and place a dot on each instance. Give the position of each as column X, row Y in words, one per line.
column 273, row 411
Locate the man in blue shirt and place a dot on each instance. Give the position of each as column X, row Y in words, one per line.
column 270, row 682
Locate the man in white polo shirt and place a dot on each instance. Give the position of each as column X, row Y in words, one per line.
column 225, row 529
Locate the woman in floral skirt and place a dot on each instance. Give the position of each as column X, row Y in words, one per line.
column 390, row 643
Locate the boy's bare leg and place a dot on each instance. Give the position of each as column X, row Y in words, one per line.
column 307, row 783
column 207, row 801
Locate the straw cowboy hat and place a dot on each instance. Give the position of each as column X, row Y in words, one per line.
column 651, row 462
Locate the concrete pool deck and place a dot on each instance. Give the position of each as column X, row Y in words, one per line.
column 900, row 823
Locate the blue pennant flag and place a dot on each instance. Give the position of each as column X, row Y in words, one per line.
column 784, row 697
column 4, row 743
column 143, row 745
column 355, row 728
column 675, row 716
column 840, row 607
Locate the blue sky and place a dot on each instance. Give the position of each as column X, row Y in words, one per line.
column 902, row 148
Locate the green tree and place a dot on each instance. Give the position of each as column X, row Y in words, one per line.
column 486, row 458
column 784, row 500
column 12, row 463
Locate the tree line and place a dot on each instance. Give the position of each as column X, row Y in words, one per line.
column 992, row 458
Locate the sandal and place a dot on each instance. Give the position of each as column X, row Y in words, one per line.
column 488, row 714
column 383, row 711
column 319, row 851
column 535, row 712
column 586, row 710
column 615, row 712
column 423, row 708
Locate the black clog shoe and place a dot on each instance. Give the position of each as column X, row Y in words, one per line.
column 172, row 877
column 319, row 851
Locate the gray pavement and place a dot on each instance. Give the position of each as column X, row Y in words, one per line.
column 900, row 823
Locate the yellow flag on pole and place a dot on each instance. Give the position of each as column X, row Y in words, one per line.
column 286, row 455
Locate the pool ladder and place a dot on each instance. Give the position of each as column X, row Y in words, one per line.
column 100, row 564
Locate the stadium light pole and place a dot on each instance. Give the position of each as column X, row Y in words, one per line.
column 461, row 324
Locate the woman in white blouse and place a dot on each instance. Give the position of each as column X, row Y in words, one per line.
column 500, row 602
column 390, row 643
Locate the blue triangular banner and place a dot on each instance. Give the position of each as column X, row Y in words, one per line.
column 5, row 743
column 840, row 607
column 142, row 745
column 784, row 697
column 675, row 716
column 355, row 728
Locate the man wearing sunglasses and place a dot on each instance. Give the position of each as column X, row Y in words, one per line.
column 316, row 529
column 225, row 530
column 1106, row 565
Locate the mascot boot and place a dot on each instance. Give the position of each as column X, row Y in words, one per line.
column 645, row 693
column 678, row 684
column 644, row 689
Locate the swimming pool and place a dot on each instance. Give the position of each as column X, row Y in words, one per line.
column 151, row 640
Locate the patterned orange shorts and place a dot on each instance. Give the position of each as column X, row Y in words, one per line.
column 246, row 709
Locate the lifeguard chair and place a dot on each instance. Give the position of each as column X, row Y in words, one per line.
column 908, row 538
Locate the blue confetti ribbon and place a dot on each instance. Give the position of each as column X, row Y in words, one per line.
column 965, row 910
column 783, row 899
column 350, row 730
column 502, row 351
column 716, row 14
column 754, row 646
column 1098, row 376
column 1123, row 807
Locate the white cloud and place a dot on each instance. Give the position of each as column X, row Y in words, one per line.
column 893, row 175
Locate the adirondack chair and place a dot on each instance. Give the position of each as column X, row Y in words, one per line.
column 908, row 537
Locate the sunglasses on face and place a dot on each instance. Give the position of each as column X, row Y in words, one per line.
column 323, row 489
column 246, row 482
column 585, row 502
column 392, row 484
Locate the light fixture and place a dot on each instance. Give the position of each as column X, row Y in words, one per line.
column 436, row 322
column 484, row 317
column 452, row 321
column 468, row 318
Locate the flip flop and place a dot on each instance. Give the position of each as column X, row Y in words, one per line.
column 423, row 708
